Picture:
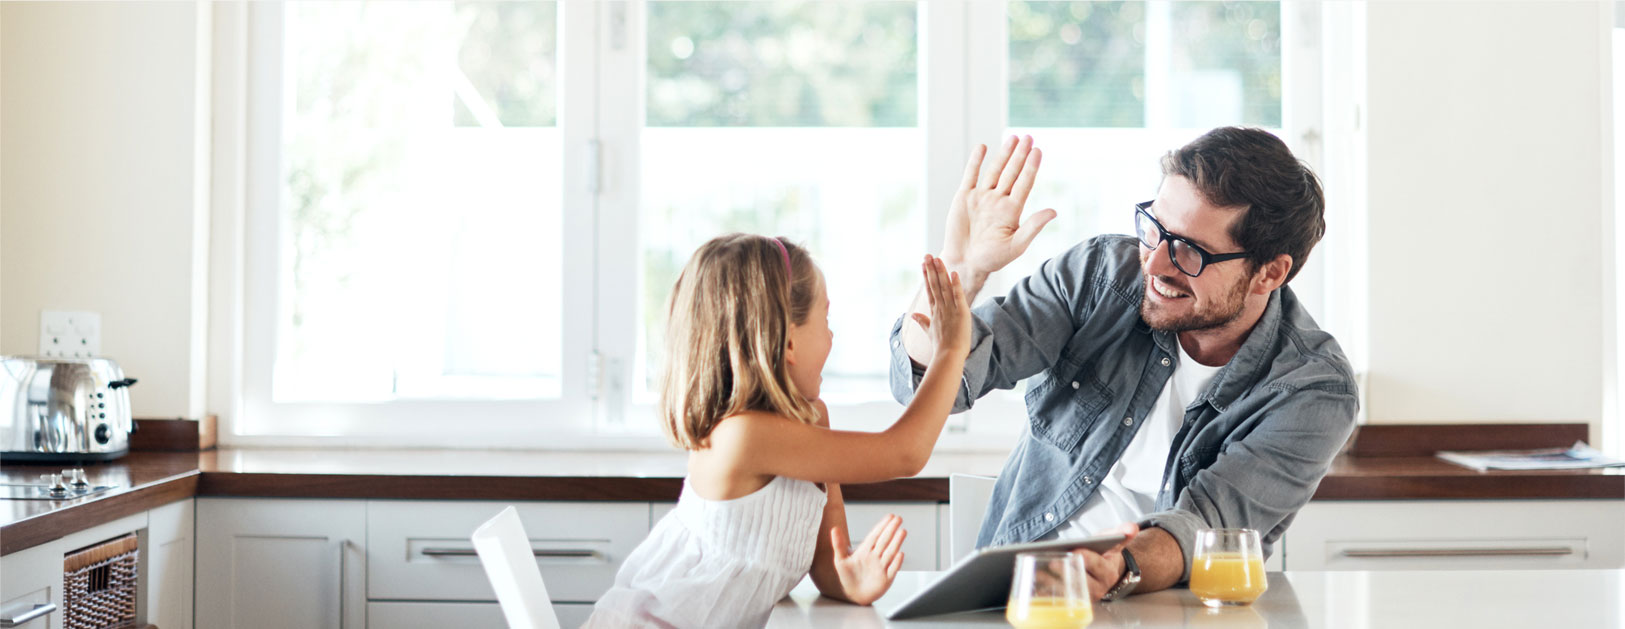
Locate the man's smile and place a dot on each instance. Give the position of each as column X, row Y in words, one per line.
column 1165, row 291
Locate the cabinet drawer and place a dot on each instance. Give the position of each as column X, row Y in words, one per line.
column 28, row 580
column 421, row 550
column 405, row 615
column 919, row 518
column 31, row 610
column 1457, row 535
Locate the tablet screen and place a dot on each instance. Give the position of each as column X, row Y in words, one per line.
column 982, row 579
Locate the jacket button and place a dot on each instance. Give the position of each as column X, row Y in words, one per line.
column 1049, row 517
column 1165, row 361
column 1088, row 480
column 1128, row 421
column 1074, row 384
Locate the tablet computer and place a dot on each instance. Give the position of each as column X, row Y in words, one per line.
column 982, row 579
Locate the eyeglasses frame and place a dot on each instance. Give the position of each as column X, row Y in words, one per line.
column 1165, row 235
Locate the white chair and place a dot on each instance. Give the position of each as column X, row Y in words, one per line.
column 510, row 563
column 967, row 503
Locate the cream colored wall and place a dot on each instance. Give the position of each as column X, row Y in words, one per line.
column 104, row 184
column 1485, row 128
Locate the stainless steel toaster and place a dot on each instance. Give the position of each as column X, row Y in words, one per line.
column 63, row 409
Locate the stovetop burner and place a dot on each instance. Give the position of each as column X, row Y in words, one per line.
column 68, row 485
column 43, row 492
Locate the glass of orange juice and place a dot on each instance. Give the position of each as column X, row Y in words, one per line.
column 1049, row 590
column 1227, row 567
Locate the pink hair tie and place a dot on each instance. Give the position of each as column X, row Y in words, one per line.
column 786, row 253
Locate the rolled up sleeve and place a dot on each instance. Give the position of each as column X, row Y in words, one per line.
column 1013, row 336
column 1261, row 480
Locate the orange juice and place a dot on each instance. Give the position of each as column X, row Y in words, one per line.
column 1227, row 578
column 1049, row 612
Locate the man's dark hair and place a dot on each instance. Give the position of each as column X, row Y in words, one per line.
column 1284, row 209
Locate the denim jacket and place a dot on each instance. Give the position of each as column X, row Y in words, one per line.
column 1253, row 446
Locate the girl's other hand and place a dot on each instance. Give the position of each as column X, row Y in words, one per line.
column 949, row 323
column 867, row 571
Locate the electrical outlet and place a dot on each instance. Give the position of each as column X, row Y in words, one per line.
column 65, row 334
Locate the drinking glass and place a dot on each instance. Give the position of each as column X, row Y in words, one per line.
column 1049, row 590
column 1228, row 567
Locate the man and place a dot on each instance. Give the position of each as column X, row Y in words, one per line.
column 1180, row 385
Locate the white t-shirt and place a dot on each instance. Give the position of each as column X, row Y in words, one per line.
column 1129, row 490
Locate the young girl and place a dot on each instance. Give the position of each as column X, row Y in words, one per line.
column 745, row 345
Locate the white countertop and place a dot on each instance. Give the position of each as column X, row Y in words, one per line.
column 1340, row 600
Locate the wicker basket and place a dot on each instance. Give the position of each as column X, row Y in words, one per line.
column 98, row 585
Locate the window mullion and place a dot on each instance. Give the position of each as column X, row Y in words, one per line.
column 578, row 123
column 619, row 75
column 261, row 307
column 944, row 99
column 987, row 63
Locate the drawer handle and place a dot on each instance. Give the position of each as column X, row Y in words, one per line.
column 36, row 612
column 1537, row 551
column 549, row 553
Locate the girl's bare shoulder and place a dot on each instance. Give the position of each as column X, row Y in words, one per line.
column 746, row 425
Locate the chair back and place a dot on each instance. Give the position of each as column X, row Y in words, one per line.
column 967, row 503
column 510, row 563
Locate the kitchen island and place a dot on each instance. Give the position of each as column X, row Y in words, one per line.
column 1330, row 600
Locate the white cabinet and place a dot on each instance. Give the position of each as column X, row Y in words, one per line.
column 411, row 614
column 31, row 587
column 1457, row 535
column 437, row 615
column 420, row 552
column 167, row 560
column 31, row 579
column 281, row 563
column 921, row 550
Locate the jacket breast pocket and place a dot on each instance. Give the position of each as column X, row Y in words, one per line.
column 1065, row 404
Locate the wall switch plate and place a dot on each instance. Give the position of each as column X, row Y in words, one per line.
column 64, row 334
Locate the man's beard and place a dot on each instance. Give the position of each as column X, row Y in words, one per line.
column 1212, row 315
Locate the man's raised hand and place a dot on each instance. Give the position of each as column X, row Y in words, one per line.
column 985, row 231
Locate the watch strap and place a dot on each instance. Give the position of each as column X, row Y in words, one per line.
column 1130, row 579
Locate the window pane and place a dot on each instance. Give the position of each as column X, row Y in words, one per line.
column 1077, row 64
column 1145, row 64
column 822, row 148
column 1225, row 64
column 420, row 202
column 781, row 64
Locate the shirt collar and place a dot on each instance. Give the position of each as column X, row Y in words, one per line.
column 1237, row 375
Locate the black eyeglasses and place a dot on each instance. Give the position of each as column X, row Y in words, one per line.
column 1187, row 256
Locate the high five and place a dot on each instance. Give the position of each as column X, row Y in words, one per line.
column 1174, row 381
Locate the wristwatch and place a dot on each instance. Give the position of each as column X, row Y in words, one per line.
column 1131, row 578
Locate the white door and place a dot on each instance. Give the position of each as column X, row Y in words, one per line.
column 277, row 563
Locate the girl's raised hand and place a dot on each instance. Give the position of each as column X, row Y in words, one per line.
column 949, row 323
column 867, row 571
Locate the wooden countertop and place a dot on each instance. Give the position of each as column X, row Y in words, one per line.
column 147, row 480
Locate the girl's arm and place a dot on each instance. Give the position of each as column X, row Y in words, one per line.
column 859, row 576
column 771, row 445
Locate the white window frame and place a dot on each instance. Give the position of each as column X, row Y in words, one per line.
column 257, row 419
column 601, row 115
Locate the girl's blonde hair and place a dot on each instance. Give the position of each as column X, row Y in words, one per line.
column 729, row 323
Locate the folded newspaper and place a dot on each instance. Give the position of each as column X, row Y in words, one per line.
column 1578, row 456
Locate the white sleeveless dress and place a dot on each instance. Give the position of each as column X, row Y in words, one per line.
column 717, row 563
